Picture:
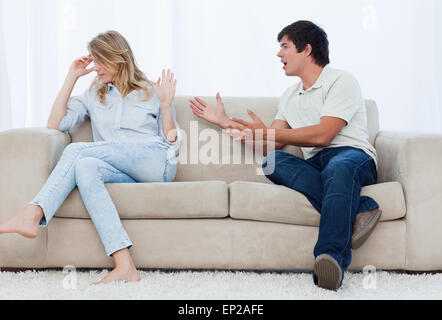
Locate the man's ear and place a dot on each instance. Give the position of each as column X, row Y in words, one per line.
column 308, row 49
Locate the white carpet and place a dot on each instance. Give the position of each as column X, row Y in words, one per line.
column 218, row 285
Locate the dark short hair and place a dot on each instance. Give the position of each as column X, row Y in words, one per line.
column 305, row 32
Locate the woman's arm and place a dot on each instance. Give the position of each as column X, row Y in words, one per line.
column 77, row 70
column 169, row 128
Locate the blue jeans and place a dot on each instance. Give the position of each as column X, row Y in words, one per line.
column 89, row 166
column 332, row 182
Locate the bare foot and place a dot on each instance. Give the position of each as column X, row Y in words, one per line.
column 126, row 274
column 25, row 223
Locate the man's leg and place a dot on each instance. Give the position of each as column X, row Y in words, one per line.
column 288, row 170
column 342, row 178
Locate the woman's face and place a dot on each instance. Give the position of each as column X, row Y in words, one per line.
column 106, row 75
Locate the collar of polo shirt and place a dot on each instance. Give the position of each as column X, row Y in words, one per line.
column 319, row 82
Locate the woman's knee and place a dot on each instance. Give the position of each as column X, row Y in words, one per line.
column 74, row 148
column 86, row 169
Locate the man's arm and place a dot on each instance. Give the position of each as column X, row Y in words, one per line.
column 268, row 145
column 320, row 135
column 279, row 125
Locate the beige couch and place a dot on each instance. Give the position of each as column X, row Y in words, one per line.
column 225, row 215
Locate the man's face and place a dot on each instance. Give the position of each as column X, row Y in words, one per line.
column 292, row 60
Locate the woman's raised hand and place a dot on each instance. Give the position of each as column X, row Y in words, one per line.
column 165, row 88
column 78, row 68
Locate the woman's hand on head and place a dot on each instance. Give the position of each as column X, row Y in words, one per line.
column 165, row 88
column 78, row 68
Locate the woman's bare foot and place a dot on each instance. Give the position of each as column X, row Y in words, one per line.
column 125, row 269
column 25, row 223
column 121, row 274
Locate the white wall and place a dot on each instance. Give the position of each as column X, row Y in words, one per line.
column 392, row 47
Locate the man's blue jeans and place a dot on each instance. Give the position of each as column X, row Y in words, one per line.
column 332, row 182
column 89, row 166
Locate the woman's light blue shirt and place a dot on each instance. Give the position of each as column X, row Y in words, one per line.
column 121, row 118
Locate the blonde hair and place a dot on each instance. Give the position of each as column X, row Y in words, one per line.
column 111, row 49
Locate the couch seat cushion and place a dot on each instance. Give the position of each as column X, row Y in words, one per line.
column 274, row 203
column 175, row 200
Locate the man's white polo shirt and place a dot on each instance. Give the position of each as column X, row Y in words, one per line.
column 335, row 94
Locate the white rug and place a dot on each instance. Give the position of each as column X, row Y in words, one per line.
column 215, row 285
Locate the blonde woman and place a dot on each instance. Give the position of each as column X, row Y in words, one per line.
column 136, row 138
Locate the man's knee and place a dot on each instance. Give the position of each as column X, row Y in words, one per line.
column 270, row 165
column 341, row 169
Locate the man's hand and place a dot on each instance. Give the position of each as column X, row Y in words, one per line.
column 255, row 130
column 214, row 114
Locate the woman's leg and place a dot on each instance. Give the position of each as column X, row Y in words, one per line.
column 61, row 182
column 56, row 189
column 91, row 174
column 25, row 223
column 144, row 162
column 148, row 163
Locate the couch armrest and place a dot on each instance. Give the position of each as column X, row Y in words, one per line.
column 27, row 157
column 415, row 160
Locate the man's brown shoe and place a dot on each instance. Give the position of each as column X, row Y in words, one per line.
column 363, row 226
column 328, row 272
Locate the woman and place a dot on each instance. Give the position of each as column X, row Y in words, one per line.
column 136, row 139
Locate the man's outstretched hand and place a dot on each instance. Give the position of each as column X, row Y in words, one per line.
column 215, row 114
column 255, row 130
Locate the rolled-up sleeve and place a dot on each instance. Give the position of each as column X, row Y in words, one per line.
column 76, row 112
column 175, row 145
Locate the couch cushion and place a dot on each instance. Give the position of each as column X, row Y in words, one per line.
column 274, row 203
column 175, row 200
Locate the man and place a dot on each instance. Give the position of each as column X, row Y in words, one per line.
column 325, row 115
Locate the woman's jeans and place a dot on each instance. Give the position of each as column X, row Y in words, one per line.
column 332, row 182
column 89, row 166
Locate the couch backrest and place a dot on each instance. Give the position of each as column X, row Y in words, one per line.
column 207, row 153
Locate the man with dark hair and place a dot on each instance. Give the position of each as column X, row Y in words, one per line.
column 302, row 33
column 325, row 115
